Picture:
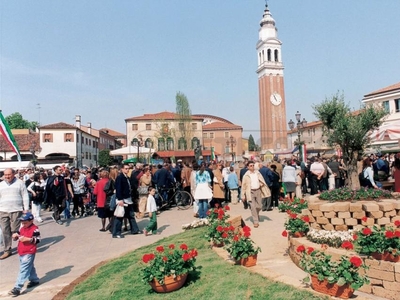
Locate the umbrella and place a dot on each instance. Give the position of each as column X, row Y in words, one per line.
column 131, row 150
column 130, row 160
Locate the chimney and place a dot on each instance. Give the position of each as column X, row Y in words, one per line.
column 78, row 121
column 89, row 129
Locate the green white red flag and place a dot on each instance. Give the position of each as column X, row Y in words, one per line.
column 8, row 136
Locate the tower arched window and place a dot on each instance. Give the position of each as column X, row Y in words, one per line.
column 262, row 56
column 161, row 144
column 135, row 142
column 170, row 143
column 259, row 58
column 276, row 55
column 269, row 54
column 148, row 143
column 182, row 144
column 195, row 142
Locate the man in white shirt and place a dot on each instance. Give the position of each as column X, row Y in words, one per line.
column 14, row 201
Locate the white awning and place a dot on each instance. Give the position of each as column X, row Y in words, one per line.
column 15, row 165
column 131, row 150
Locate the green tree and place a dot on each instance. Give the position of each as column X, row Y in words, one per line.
column 348, row 129
column 16, row 121
column 184, row 117
column 104, row 158
column 252, row 144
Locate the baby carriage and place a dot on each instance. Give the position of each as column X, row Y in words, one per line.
column 89, row 204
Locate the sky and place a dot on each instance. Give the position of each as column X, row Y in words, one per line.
column 111, row 60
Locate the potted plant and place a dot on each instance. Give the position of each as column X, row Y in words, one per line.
column 242, row 249
column 166, row 269
column 219, row 230
column 335, row 278
column 380, row 243
column 295, row 205
column 296, row 225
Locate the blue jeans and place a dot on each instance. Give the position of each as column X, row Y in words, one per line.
column 130, row 215
column 203, row 207
column 26, row 270
column 67, row 212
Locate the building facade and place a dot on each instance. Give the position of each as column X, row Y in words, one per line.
column 271, row 89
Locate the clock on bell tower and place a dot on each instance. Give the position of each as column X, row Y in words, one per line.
column 273, row 130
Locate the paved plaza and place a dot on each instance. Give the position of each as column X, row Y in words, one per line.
column 68, row 250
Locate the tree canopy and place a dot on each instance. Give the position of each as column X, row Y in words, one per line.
column 16, row 121
column 184, row 117
column 348, row 129
column 104, row 158
column 252, row 144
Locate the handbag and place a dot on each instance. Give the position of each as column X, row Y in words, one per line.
column 119, row 211
column 109, row 188
column 143, row 190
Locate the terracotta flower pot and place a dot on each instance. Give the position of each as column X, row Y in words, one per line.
column 170, row 284
column 298, row 234
column 386, row 256
column 331, row 289
column 248, row 262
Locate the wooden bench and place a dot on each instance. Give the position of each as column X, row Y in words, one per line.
column 387, row 185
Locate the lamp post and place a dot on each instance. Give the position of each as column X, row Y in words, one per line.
column 32, row 150
column 232, row 143
column 138, row 143
column 300, row 125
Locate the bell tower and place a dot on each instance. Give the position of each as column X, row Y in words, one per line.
column 273, row 130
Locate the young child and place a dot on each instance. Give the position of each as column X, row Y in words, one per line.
column 151, row 208
column 28, row 236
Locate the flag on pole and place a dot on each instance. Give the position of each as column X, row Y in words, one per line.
column 303, row 152
column 212, row 153
column 8, row 136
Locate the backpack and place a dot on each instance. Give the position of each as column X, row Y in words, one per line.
column 364, row 181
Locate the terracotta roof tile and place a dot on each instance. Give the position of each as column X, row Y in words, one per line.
column 112, row 132
column 24, row 142
column 386, row 89
column 166, row 115
column 60, row 125
column 213, row 117
column 220, row 126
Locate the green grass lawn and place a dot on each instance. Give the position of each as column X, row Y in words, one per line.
column 216, row 278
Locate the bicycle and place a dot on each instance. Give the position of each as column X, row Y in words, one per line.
column 175, row 196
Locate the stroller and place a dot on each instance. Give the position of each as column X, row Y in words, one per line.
column 89, row 204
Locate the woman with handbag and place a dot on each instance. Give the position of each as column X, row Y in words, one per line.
column 103, row 200
column 143, row 190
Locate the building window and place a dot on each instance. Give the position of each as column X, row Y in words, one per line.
column 205, row 135
column 148, row 143
column 90, row 155
column 68, row 137
column 397, row 105
column 82, row 140
column 148, row 126
column 276, row 55
column 86, row 155
column 135, row 142
column 134, row 126
column 170, row 144
column 194, row 126
column 161, row 144
column 90, row 142
column 48, row 137
column 269, row 54
column 226, row 134
column 95, row 157
column 227, row 149
column 195, row 143
column 86, row 141
column 182, row 144
column 385, row 105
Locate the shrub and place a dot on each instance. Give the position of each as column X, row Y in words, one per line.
column 345, row 194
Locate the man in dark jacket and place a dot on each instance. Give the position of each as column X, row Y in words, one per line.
column 268, row 178
column 123, row 196
column 56, row 193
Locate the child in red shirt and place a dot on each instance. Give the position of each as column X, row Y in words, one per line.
column 28, row 237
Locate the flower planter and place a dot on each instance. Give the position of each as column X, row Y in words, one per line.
column 248, row 262
column 386, row 256
column 217, row 245
column 298, row 234
column 331, row 289
column 170, row 284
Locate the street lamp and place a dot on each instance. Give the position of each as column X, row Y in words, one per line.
column 32, row 150
column 138, row 143
column 300, row 125
column 232, row 143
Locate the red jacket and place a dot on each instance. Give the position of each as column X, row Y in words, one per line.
column 29, row 247
column 99, row 192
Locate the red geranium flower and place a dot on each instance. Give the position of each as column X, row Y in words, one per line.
column 306, row 219
column 397, row 233
column 293, row 216
column 367, row 231
column 224, row 235
column 284, row 233
column 231, row 228
column 236, row 238
column 216, row 205
column 193, row 253
column 165, row 258
column 355, row 237
column 301, row 248
column 389, row 234
column 208, row 213
column 172, row 246
column 347, row 245
column 356, row 261
column 183, row 247
column 364, row 219
column 220, row 217
column 310, row 250
column 247, row 233
column 227, row 207
column 146, row 258
column 186, row 256
column 160, row 249
column 219, row 228
column 246, row 228
column 397, row 223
